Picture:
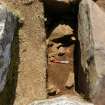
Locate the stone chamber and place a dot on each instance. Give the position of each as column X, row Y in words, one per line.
column 52, row 52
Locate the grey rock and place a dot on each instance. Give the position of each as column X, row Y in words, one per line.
column 91, row 35
column 61, row 101
column 8, row 25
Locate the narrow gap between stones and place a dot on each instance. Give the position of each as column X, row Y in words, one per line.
column 61, row 29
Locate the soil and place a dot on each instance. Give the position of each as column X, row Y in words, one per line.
column 59, row 73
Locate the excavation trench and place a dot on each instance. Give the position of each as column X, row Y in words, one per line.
column 61, row 30
column 27, row 78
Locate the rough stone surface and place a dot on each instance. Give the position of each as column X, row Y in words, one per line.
column 61, row 31
column 31, row 83
column 61, row 101
column 29, row 63
column 92, row 47
column 8, row 23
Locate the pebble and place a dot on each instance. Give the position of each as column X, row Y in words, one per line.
column 21, row 21
column 73, row 38
column 61, row 31
column 61, row 51
column 70, row 81
column 27, row 2
column 52, row 59
column 52, row 90
column 49, row 44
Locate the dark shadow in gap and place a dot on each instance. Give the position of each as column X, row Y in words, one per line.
column 65, row 40
column 53, row 19
column 81, row 83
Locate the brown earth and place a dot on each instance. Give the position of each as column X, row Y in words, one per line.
column 59, row 74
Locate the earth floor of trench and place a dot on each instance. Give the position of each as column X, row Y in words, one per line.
column 61, row 75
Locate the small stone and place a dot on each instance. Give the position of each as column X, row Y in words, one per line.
column 45, row 19
column 52, row 90
column 73, row 38
column 61, row 51
column 61, row 31
column 21, row 21
column 50, row 44
column 27, row 2
column 47, row 41
column 52, row 59
column 65, row 1
column 58, row 91
column 55, row 48
column 52, row 54
column 70, row 81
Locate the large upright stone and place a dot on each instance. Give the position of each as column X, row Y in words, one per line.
column 92, row 50
column 31, row 83
column 8, row 23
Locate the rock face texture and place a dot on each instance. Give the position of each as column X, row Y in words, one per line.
column 92, row 50
column 31, row 83
column 61, row 31
column 61, row 101
column 8, row 24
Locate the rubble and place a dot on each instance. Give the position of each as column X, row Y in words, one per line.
column 61, row 31
column 52, row 90
column 61, row 51
column 27, row 2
